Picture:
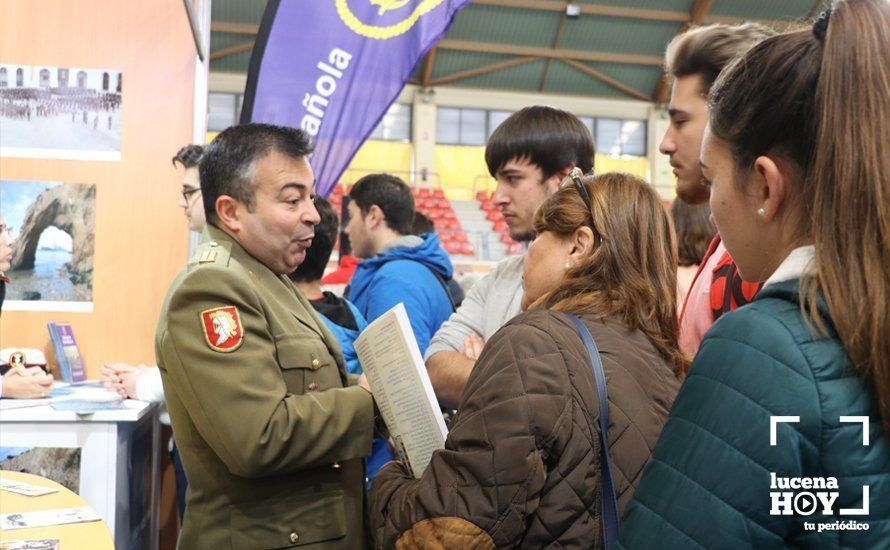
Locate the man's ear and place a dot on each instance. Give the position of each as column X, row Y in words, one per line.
column 228, row 210
column 375, row 217
column 553, row 182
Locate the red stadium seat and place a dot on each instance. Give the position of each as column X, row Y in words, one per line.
column 452, row 247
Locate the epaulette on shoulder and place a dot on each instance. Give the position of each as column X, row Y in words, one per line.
column 210, row 253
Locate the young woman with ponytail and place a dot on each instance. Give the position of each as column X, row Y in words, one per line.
column 797, row 153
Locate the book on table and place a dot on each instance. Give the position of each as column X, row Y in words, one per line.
column 397, row 375
column 67, row 355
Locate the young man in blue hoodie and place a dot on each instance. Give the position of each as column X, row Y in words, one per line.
column 397, row 266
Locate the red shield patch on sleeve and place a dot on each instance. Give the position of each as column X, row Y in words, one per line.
column 222, row 328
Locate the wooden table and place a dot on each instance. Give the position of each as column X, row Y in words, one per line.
column 119, row 459
column 75, row 536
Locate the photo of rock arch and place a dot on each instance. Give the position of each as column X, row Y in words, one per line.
column 53, row 230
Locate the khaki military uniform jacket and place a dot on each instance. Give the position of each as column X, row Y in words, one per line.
column 270, row 438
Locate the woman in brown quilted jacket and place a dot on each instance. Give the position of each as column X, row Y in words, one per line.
column 521, row 465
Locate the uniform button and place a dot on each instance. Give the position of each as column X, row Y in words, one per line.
column 294, row 538
column 335, row 465
column 316, row 363
column 313, row 386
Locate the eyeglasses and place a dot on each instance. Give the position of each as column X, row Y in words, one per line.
column 574, row 180
column 186, row 193
column 6, row 230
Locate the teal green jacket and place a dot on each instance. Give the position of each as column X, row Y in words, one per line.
column 709, row 482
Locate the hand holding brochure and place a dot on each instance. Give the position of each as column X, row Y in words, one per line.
column 397, row 375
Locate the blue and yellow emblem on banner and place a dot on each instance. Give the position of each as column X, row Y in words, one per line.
column 385, row 31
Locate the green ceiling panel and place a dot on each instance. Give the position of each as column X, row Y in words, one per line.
column 236, row 63
column 238, row 11
column 232, row 63
column 638, row 77
column 220, row 41
column 449, row 62
column 521, row 77
column 617, row 35
column 786, row 10
column 564, row 79
column 661, row 5
column 505, row 26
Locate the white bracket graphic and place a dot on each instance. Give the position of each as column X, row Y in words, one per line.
column 773, row 421
column 862, row 420
column 858, row 511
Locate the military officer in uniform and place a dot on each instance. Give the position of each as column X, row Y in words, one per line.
column 270, row 433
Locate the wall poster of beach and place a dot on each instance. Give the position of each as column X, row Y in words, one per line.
column 53, row 227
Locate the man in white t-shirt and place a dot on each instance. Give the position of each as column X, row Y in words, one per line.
column 529, row 154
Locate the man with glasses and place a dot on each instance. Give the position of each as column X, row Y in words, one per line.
column 192, row 203
column 529, row 155
column 143, row 382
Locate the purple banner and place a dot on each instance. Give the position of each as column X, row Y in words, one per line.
column 333, row 68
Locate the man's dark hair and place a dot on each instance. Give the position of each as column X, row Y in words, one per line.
column 226, row 167
column 705, row 51
column 345, row 243
column 188, row 156
column 549, row 138
column 318, row 255
column 694, row 230
column 391, row 195
column 422, row 224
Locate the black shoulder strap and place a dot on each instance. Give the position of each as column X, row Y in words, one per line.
column 444, row 286
column 609, row 501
